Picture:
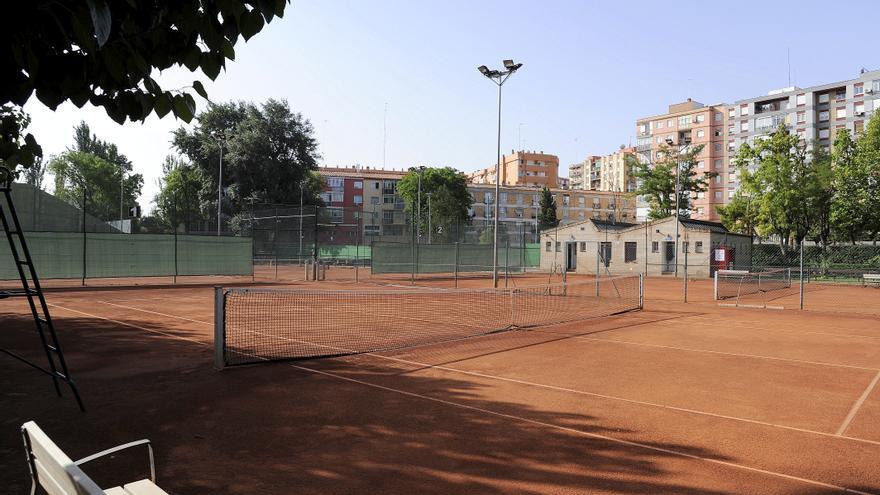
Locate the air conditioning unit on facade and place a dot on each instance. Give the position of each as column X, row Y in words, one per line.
column 869, row 90
column 860, row 114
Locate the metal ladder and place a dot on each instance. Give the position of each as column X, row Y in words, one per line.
column 31, row 290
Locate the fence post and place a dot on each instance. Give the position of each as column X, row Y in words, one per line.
column 641, row 291
column 598, row 256
column 456, row 265
column 84, row 238
column 802, row 276
column 175, row 257
column 357, row 244
column 315, row 255
column 686, row 273
column 219, row 330
column 275, row 241
column 506, row 262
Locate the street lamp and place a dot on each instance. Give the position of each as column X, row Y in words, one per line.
column 670, row 143
column 498, row 77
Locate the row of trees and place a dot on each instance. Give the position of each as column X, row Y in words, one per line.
column 792, row 191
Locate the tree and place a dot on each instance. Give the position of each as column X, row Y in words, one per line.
column 849, row 207
column 657, row 180
column 547, row 213
column 35, row 174
column 450, row 200
column 103, row 52
column 178, row 199
column 76, row 171
column 268, row 151
column 739, row 215
column 820, row 196
column 16, row 146
column 86, row 142
column 868, row 154
column 776, row 174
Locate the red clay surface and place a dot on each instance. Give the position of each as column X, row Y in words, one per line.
column 679, row 398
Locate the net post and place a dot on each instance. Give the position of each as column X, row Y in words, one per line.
column 598, row 255
column 715, row 288
column 802, row 276
column 641, row 291
column 455, row 276
column 219, row 328
column 506, row 262
column 275, row 241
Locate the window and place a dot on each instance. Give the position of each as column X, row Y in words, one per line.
column 859, row 89
column 717, row 164
column 858, row 126
column 358, row 184
column 701, row 133
column 700, row 195
column 372, row 230
column 659, row 124
column 731, row 113
column 566, row 199
column 388, row 217
column 859, row 108
column 558, row 247
column 700, row 210
column 325, row 197
column 763, row 123
column 698, row 246
column 684, row 121
column 699, row 118
column 744, row 126
column 718, row 179
column 824, row 133
column 669, row 123
column 336, row 196
column 548, row 246
column 605, row 252
column 841, row 113
column 744, row 110
column 717, row 194
column 583, row 247
column 629, row 252
column 717, row 146
column 717, row 132
column 801, row 100
column 718, row 116
column 802, row 134
column 374, row 200
column 840, row 95
column 701, row 164
column 358, row 199
column 801, row 117
column 655, row 247
column 376, row 185
column 824, row 115
column 659, row 139
column 823, row 98
column 334, row 181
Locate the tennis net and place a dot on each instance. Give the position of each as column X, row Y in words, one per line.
column 737, row 283
column 268, row 324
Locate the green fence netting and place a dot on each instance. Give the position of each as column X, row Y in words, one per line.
column 448, row 258
column 98, row 255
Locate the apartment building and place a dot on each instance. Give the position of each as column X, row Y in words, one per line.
column 522, row 204
column 373, row 191
column 816, row 114
column 614, row 171
column 689, row 123
column 522, row 168
column 580, row 174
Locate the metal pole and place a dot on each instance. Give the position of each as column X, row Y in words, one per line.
column 677, row 196
column 121, row 193
column 357, row 245
column 429, row 218
column 598, row 256
column 686, row 274
column 275, row 240
column 802, row 276
column 419, row 214
column 85, row 239
column 219, row 328
column 456, row 265
column 506, row 262
column 219, row 190
column 301, row 193
column 497, row 193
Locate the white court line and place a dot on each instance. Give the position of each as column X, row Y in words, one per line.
column 155, row 313
column 553, row 387
column 722, row 325
column 583, row 433
column 130, row 325
column 736, row 354
column 549, row 425
column 855, row 408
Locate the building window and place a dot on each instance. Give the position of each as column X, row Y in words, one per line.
column 700, row 195
column 548, row 246
column 859, row 89
column 358, row 199
column 824, row 134
column 744, row 110
column 824, row 115
column 744, row 127
column 583, row 247
column 801, row 117
column 325, row 197
column 388, row 216
column 859, row 108
column 858, row 126
column 659, row 124
column 801, row 100
column 699, row 118
column 717, row 164
column 558, row 247
column 718, row 117
column 358, row 184
column 376, row 185
column 374, row 200
column 655, row 247
column 629, row 252
column 669, row 123
column 698, row 246
column 717, row 132
column 334, row 181
column 841, row 113
column 840, row 95
column 717, row 194
column 605, row 252
column 731, row 113
column 336, row 197
column 701, row 133
column 823, row 98
column 718, row 179
column 701, row 164
column 717, row 146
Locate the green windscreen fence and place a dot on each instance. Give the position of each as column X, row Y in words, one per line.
column 448, row 258
column 99, row 255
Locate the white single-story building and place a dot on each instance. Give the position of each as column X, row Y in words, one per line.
column 649, row 248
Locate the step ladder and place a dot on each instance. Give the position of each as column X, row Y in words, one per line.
column 30, row 289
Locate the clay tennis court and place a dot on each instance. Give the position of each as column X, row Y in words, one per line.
column 676, row 398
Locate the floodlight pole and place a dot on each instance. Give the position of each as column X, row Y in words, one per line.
column 121, row 193
column 498, row 77
column 220, row 179
column 429, row 218
column 677, row 197
column 301, row 193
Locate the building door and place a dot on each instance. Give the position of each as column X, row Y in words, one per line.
column 605, row 253
column 570, row 256
column 669, row 257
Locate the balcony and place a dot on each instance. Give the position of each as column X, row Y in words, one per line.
column 643, row 147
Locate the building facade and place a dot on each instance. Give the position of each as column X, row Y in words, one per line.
column 522, row 168
column 816, row 114
column 689, row 123
column 372, row 191
column 614, row 171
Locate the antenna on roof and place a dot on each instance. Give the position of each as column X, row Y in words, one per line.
column 788, row 57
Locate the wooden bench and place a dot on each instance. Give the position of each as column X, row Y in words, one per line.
column 53, row 470
column 871, row 278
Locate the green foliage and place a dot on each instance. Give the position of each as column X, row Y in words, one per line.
column 547, row 210
column 739, row 215
column 450, row 200
column 178, row 199
column 268, row 151
column 77, row 172
column 657, row 180
column 16, row 147
column 103, row 52
column 850, row 206
column 35, row 174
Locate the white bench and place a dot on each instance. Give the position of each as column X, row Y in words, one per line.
column 53, row 470
column 870, row 278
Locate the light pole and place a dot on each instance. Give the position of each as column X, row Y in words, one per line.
column 498, row 77
column 301, row 194
column 677, row 195
column 121, row 194
column 429, row 218
column 221, row 141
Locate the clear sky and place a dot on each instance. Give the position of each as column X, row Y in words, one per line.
column 590, row 70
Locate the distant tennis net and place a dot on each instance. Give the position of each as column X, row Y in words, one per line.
column 738, row 283
column 264, row 324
